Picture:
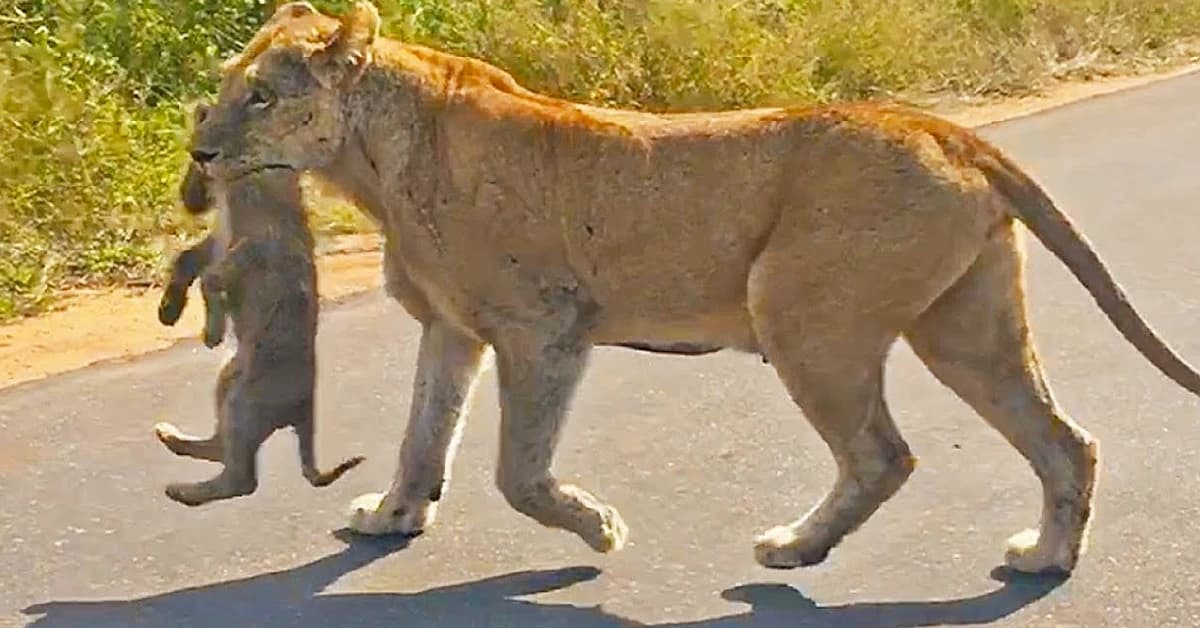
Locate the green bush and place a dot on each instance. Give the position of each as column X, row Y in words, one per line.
column 93, row 92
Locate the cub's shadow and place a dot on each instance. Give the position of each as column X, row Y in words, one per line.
column 294, row 598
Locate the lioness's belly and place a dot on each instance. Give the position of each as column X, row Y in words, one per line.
column 667, row 253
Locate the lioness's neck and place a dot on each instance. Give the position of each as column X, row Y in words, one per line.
column 386, row 121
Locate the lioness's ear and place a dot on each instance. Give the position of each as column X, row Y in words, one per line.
column 266, row 33
column 348, row 51
column 293, row 10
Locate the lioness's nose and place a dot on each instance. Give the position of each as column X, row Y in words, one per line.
column 204, row 156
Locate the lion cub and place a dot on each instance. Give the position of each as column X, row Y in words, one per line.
column 258, row 268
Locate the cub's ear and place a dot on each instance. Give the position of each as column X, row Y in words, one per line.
column 193, row 190
column 348, row 50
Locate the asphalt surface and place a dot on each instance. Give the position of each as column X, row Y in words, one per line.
column 699, row 454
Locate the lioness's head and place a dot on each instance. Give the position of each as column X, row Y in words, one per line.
column 282, row 100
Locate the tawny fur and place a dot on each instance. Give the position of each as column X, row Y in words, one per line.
column 265, row 282
column 814, row 236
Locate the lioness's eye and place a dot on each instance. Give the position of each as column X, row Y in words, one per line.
column 260, row 98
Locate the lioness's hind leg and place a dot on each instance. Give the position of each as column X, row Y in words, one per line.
column 828, row 296
column 537, row 382
column 842, row 396
column 976, row 340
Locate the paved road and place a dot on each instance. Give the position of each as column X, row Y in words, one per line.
column 698, row 453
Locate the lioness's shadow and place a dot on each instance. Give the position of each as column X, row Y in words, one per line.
column 293, row 598
column 779, row 605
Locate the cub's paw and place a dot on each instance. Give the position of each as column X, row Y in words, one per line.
column 170, row 308
column 189, row 494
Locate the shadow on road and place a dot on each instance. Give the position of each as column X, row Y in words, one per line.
column 779, row 605
column 293, row 598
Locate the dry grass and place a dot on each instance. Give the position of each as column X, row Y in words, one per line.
column 92, row 91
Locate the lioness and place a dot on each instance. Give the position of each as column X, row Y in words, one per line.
column 266, row 281
column 813, row 236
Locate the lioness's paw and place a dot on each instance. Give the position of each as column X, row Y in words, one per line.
column 372, row 514
column 611, row 533
column 1027, row 555
column 783, row 548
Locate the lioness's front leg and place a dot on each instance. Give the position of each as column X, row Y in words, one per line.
column 537, row 381
column 448, row 365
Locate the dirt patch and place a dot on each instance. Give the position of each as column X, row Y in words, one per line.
column 94, row 326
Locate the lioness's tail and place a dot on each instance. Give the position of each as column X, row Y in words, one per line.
column 1054, row 229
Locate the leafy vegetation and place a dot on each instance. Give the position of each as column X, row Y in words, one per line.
column 93, row 93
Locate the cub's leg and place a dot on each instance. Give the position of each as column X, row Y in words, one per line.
column 243, row 424
column 187, row 267
column 304, row 427
column 220, row 276
column 976, row 340
column 448, row 366
column 182, row 444
column 538, row 377
column 209, row 448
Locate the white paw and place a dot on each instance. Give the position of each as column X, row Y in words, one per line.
column 1026, row 555
column 165, row 431
column 374, row 514
column 612, row 533
column 782, row 547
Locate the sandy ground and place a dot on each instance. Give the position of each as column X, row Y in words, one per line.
column 95, row 326
column 91, row 326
